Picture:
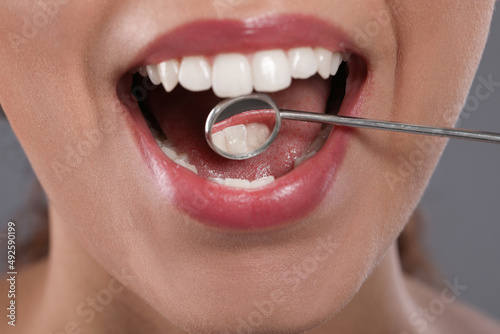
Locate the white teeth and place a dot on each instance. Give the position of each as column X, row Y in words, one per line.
column 324, row 62
column 271, row 71
column 186, row 165
column 232, row 75
column 153, row 74
column 169, row 152
column 182, row 157
column 261, row 182
column 195, row 74
column 303, row 63
column 257, row 135
column 336, row 61
column 245, row 184
column 169, row 74
column 219, row 140
column 218, row 180
column 241, row 138
column 236, row 139
column 179, row 158
column 237, row 183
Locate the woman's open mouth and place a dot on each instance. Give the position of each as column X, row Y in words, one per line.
column 302, row 62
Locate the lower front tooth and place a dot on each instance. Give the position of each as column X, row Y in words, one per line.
column 218, row 180
column 237, row 183
column 183, row 157
column 219, row 140
column 244, row 184
column 257, row 134
column 236, row 139
column 261, row 182
column 169, row 152
column 186, row 165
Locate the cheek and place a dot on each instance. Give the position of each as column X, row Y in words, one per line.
column 440, row 46
column 46, row 95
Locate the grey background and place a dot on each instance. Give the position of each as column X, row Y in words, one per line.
column 462, row 202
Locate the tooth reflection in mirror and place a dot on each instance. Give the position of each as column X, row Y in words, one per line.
column 244, row 127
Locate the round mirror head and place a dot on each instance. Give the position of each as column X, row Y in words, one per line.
column 243, row 127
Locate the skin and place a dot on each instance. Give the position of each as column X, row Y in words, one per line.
column 104, row 214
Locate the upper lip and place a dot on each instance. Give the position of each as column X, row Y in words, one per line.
column 210, row 37
column 289, row 198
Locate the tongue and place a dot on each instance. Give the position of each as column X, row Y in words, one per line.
column 182, row 115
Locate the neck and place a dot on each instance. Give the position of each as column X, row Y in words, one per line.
column 78, row 293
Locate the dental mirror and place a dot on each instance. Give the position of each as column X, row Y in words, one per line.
column 244, row 127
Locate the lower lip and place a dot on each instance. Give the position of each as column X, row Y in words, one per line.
column 278, row 204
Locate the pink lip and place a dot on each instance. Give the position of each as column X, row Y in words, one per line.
column 263, row 33
column 293, row 195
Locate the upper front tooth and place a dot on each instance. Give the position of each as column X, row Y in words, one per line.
column 232, row 75
column 336, row 61
column 241, row 138
column 236, row 139
column 271, row 71
column 303, row 63
column 219, row 140
column 257, row 135
column 153, row 74
column 169, row 74
column 324, row 62
column 195, row 74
